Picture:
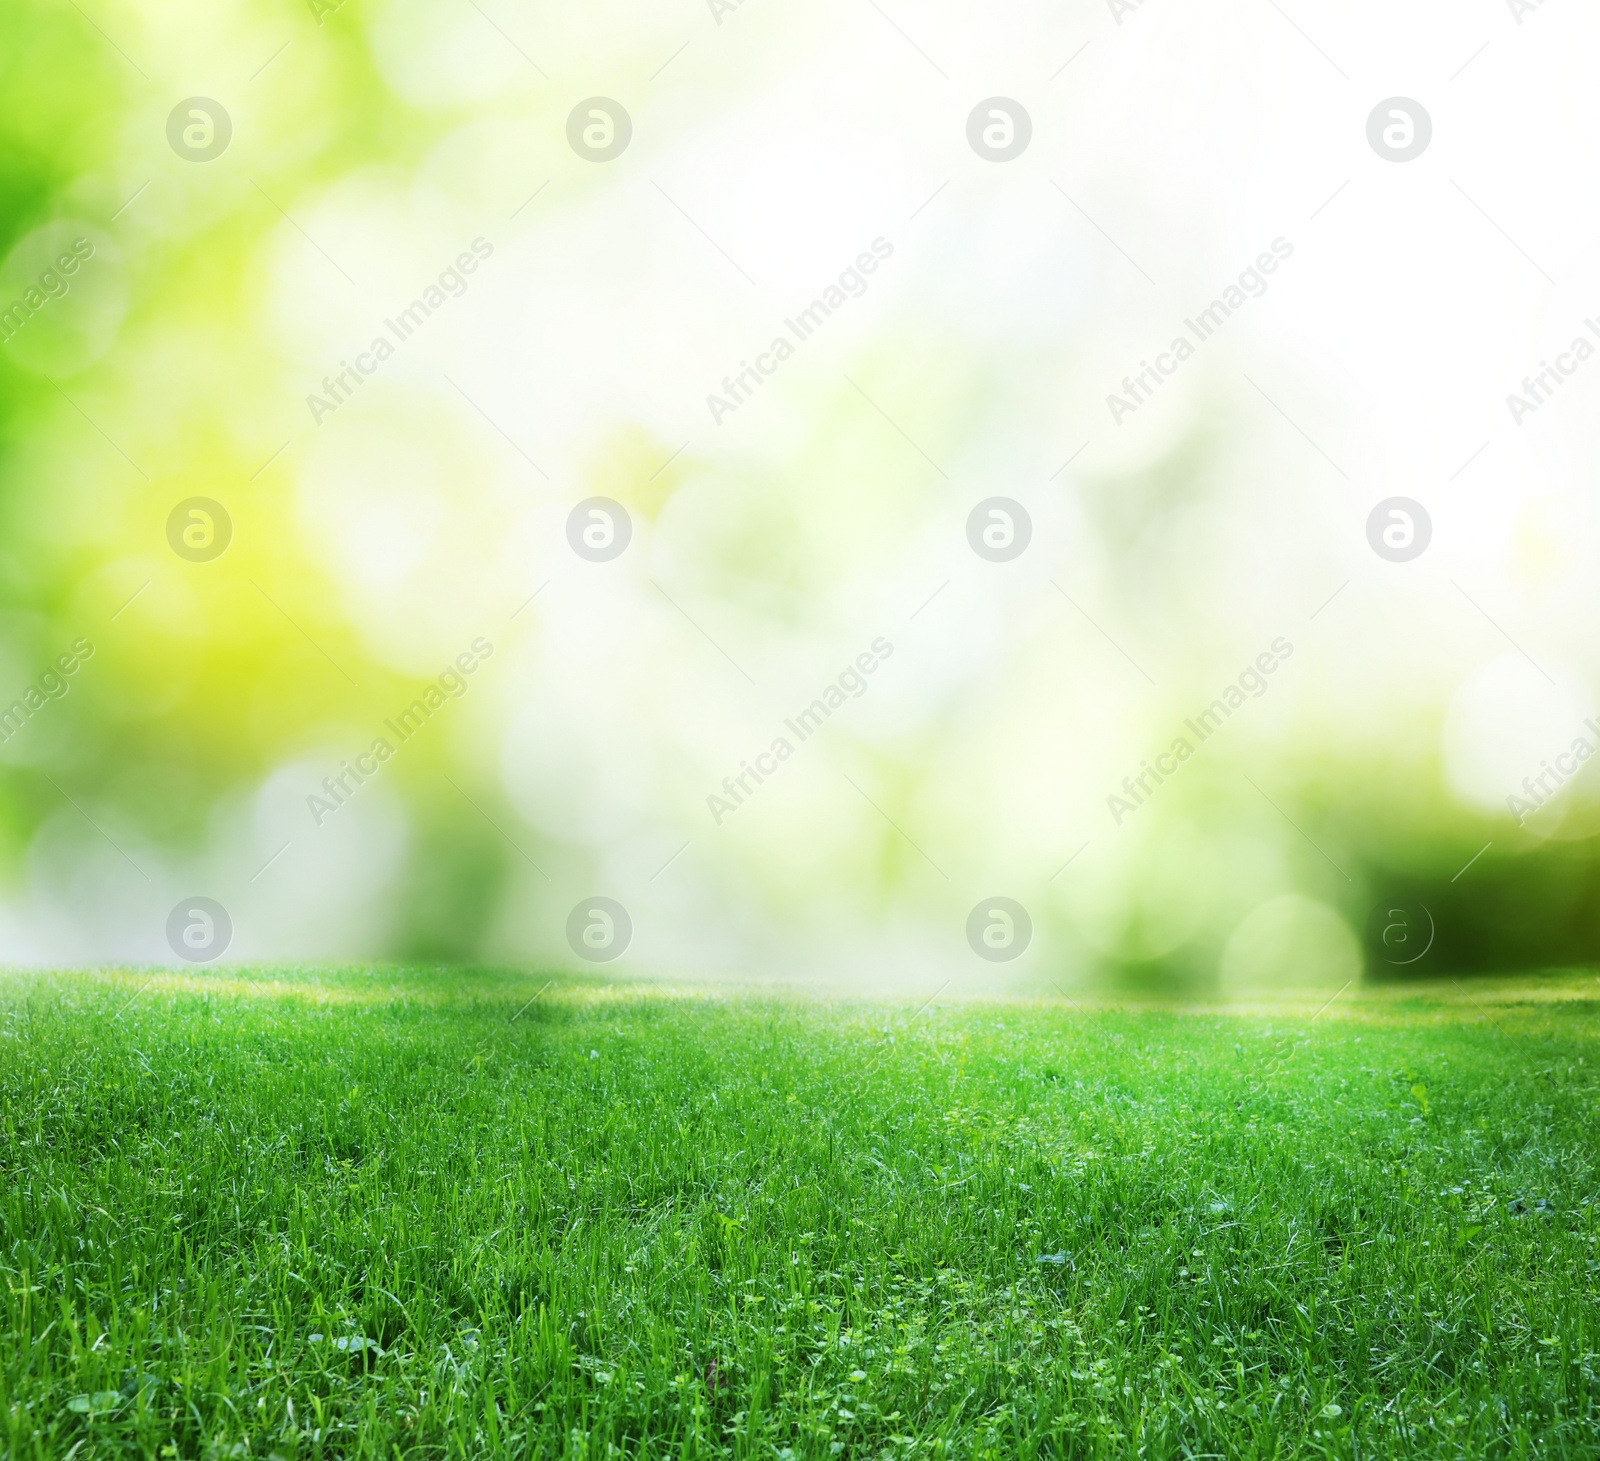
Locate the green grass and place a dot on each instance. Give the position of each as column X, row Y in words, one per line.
column 331, row 1214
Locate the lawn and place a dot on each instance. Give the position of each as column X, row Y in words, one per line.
column 328, row 1213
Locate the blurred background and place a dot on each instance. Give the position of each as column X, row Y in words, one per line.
column 252, row 195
